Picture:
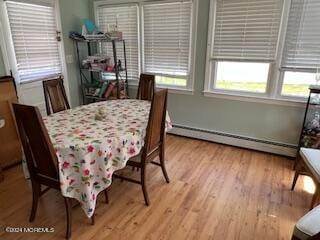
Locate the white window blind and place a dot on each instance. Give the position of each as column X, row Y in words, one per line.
column 34, row 34
column 302, row 42
column 246, row 29
column 167, row 29
column 127, row 19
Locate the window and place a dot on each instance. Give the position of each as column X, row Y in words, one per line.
column 248, row 55
column 158, row 35
column 245, row 76
column 34, row 36
column 301, row 55
column 297, row 83
column 126, row 17
column 167, row 41
column 171, row 81
column 244, row 40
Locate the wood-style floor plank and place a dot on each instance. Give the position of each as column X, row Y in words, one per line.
column 216, row 192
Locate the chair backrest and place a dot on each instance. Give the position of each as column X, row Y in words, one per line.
column 157, row 120
column 39, row 152
column 55, row 95
column 146, row 87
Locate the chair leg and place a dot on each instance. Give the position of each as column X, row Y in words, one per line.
column 35, row 199
column 296, row 162
column 162, row 162
column 297, row 169
column 295, row 178
column 67, row 202
column 106, row 196
column 143, row 184
column 315, row 197
column 92, row 219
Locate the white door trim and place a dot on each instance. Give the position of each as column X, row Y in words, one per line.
column 62, row 52
column 3, row 50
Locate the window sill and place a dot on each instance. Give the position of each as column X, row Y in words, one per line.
column 177, row 90
column 171, row 89
column 294, row 102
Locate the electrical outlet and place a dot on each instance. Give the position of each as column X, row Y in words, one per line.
column 69, row 59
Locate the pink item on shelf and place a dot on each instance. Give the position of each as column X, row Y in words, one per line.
column 110, row 68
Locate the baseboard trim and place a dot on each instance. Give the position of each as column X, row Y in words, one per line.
column 284, row 149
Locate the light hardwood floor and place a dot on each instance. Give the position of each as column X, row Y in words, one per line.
column 216, row 192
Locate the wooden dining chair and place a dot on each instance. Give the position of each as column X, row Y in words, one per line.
column 40, row 156
column 146, row 87
column 308, row 163
column 154, row 143
column 55, row 95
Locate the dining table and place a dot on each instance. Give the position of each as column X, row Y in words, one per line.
column 89, row 150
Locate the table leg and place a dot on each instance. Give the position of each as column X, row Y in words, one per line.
column 1, row 175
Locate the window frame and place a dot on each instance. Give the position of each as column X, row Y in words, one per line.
column 189, row 88
column 275, row 77
column 213, row 80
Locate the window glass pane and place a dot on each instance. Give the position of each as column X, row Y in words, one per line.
column 297, row 83
column 242, row 76
column 171, row 81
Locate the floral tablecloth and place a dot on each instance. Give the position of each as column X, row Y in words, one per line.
column 89, row 150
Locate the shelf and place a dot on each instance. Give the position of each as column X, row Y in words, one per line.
column 95, row 97
column 103, row 71
column 102, row 98
column 106, row 80
column 87, row 78
column 314, row 104
column 103, row 81
column 314, row 89
column 97, row 40
column 309, row 135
